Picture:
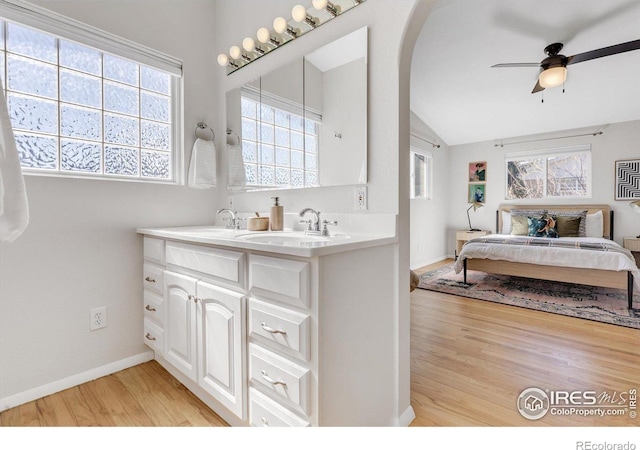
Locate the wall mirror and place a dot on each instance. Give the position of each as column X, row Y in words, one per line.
column 303, row 125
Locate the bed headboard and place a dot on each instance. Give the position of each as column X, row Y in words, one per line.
column 607, row 214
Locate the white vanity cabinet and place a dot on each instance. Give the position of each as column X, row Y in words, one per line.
column 270, row 338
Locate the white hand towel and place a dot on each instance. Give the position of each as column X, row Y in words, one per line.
column 202, row 169
column 237, row 174
column 14, row 208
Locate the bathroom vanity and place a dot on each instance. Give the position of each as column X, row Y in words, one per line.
column 276, row 328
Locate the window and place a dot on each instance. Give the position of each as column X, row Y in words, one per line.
column 279, row 147
column 77, row 110
column 421, row 175
column 550, row 173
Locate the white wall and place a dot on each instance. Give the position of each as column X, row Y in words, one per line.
column 81, row 250
column 429, row 216
column 619, row 141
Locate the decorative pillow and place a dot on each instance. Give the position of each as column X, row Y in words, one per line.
column 583, row 221
column 569, row 226
column 595, row 225
column 519, row 225
column 543, row 226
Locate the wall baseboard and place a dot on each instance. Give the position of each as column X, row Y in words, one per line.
column 60, row 385
column 432, row 261
column 406, row 417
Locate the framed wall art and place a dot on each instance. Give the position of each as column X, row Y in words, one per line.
column 477, row 192
column 627, row 179
column 478, row 171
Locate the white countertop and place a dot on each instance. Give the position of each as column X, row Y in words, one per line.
column 287, row 242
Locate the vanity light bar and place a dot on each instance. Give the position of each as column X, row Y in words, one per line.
column 284, row 31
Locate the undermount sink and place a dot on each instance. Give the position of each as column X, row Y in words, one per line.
column 289, row 238
column 205, row 231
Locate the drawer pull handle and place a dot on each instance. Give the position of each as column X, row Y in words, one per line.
column 150, row 280
column 149, row 308
column 270, row 380
column 149, row 337
column 264, row 422
column 268, row 329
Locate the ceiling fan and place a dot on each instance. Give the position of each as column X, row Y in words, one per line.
column 553, row 69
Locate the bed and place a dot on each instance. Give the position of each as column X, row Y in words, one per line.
column 589, row 260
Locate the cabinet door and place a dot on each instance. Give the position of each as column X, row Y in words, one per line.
column 221, row 346
column 180, row 322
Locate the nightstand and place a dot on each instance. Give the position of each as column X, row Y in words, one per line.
column 632, row 244
column 463, row 236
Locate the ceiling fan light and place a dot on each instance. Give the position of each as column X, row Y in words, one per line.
column 552, row 77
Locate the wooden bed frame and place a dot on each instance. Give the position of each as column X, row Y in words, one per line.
column 590, row 277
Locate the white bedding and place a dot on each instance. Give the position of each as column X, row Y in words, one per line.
column 552, row 256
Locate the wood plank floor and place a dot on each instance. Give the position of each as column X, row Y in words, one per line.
column 470, row 360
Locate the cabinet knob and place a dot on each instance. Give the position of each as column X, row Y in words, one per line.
column 268, row 329
column 270, row 380
column 264, row 422
column 193, row 297
column 149, row 337
column 149, row 308
column 150, row 280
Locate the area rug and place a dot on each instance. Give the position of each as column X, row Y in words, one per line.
column 585, row 302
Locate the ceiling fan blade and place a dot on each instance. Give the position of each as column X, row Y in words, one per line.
column 537, row 88
column 605, row 51
column 517, row 65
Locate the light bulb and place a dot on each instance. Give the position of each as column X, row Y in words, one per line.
column 235, row 52
column 263, row 35
column 299, row 13
column 552, row 77
column 223, row 59
column 248, row 44
column 280, row 25
column 320, row 4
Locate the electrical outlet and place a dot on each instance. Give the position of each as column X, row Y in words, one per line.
column 98, row 318
column 361, row 197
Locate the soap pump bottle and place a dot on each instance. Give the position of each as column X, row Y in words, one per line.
column 276, row 217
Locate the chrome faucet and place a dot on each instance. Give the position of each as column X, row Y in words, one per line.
column 232, row 220
column 313, row 224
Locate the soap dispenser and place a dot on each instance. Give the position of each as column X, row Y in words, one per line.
column 276, row 218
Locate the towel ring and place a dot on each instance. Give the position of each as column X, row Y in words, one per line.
column 232, row 134
column 204, row 126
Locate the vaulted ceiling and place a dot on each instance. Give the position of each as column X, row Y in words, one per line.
column 456, row 93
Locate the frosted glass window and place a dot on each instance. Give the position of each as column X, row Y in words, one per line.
column 274, row 146
column 81, row 89
column 79, row 156
column 77, row 110
column 122, row 70
column 80, row 58
column 32, row 114
column 28, row 42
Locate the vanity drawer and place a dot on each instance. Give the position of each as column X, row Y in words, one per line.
column 154, row 250
column 286, row 380
column 152, row 277
column 264, row 412
column 153, row 336
column 285, row 328
column 283, row 280
column 224, row 266
column 153, row 307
